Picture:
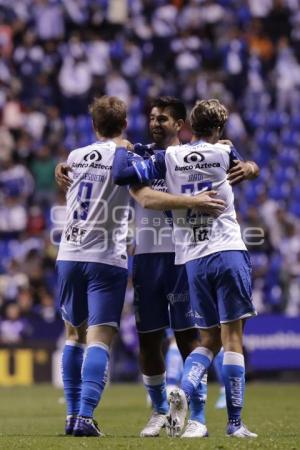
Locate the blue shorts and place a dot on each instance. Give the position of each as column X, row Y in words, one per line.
column 220, row 288
column 161, row 293
column 91, row 292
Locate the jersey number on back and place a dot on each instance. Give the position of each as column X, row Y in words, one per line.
column 84, row 198
column 199, row 222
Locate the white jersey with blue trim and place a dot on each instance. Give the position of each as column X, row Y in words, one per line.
column 190, row 169
column 97, row 210
column 153, row 229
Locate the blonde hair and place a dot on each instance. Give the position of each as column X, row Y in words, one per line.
column 108, row 115
column 206, row 116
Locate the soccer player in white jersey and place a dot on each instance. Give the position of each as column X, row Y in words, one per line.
column 92, row 263
column 92, row 266
column 162, row 299
column 216, row 258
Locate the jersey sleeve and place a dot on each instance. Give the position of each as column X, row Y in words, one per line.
column 234, row 155
column 132, row 169
column 123, row 172
column 152, row 168
column 145, row 151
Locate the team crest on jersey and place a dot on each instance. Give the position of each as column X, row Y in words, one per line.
column 94, row 156
column 193, row 157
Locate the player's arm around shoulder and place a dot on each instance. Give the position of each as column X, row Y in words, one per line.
column 123, row 171
column 129, row 168
column 62, row 176
column 205, row 202
column 239, row 170
column 62, row 173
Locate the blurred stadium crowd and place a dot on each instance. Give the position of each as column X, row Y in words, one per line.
column 56, row 55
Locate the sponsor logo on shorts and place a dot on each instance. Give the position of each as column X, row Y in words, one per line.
column 182, row 297
column 193, row 314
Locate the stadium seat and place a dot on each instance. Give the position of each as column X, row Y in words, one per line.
column 294, row 208
column 280, row 191
column 290, row 138
column 83, row 123
column 276, row 120
column 69, row 123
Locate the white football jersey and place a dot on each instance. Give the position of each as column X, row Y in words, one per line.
column 190, row 169
column 153, row 229
column 97, row 210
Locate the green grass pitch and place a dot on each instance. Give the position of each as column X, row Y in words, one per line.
column 33, row 418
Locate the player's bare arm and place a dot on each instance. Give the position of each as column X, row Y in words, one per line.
column 242, row 170
column 204, row 202
column 61, row 175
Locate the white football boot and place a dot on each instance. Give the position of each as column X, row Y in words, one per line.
column 195, row 429
column 155, row 424
column 177, row 413
column 239, row 431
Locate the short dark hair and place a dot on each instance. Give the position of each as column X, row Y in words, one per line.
column 108, row 115
column 175, row 106
column 206, row 116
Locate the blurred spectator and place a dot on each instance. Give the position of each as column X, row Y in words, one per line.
column 13, row 329
column 25, row 302
column 75, row 79
column 12, row 281
column 13, row 217
column 43, row 171
column 46, row 307
column 16, row 180
column 49, row 20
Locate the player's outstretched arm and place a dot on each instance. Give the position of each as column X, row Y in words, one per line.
column 242, row 170
column 131, row 169
column 151, row 199
column 123, row 172
column 61, row 176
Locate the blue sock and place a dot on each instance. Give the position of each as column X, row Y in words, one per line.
column 72, row 358
column 198, row 401
column 234, row 380
column 94, row 377
column 174, row 365
column 218, row 366
column 156, row 387
column 195, row 366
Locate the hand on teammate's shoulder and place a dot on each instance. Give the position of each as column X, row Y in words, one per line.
column 121, row 142
column 225, row 142
column 242, row 170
